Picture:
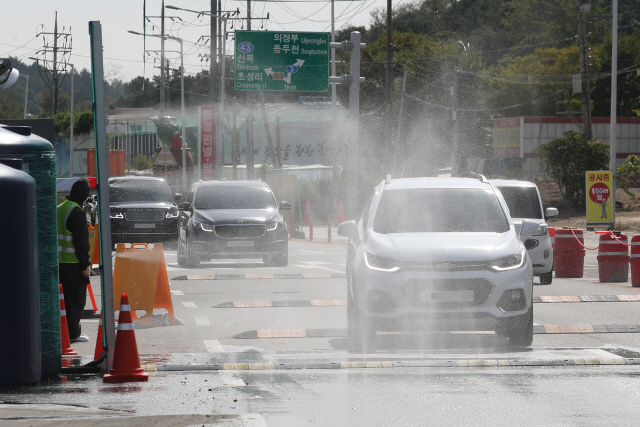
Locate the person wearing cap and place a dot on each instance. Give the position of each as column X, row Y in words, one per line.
column 74, row 266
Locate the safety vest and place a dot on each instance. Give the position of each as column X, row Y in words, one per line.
column 66, row 250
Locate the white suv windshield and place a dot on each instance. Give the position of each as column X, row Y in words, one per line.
column 523, row 202
column 418, row 210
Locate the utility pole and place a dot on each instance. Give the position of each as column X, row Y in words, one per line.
column 399, row 129
column 354, row 81
column 59, row 62
column 453, row 90
column 613, row 123
column 213, row 52
column 249, row 155
column 387, row 68
column 162, row 77
column 584, row 7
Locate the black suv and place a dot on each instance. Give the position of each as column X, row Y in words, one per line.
column 232, row 219
column 142, row 210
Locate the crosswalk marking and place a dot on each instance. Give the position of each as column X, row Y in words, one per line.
column 202, row 321
column 189, row 304
column 176, row 292
column 213, row 346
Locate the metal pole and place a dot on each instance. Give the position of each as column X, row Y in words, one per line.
column 102, row 157
column 354, row 118
column 213, row 52
column 54, row 87
column 71, row 128
column 584, row 6
column 399, row 129
column 218, row 160
column 454, row 116
column 614, row 102
column 184, row 139
column 26, row 95
column 162, row 78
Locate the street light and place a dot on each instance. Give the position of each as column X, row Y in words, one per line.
column 184, row 139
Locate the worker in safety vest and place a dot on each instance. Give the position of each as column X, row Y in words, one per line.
column 73, row 256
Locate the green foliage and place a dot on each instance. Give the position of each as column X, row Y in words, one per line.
column 566, row 159
column 10, row 107
column 141, row 162
column 82, row 122
column 628, row 174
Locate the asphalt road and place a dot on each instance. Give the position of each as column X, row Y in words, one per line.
column 267, row 346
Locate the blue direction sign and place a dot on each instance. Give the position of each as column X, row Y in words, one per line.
column 282, row 61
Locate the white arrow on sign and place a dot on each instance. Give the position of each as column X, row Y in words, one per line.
column 269, row 71
column 299, row 62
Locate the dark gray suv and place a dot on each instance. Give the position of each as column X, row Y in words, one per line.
column 232, row 219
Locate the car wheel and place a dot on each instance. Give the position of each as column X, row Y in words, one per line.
column 192, row 259
column 362, row 338
column 182, row 260
column 520, row 330
column 546, row 278
column 277, row 259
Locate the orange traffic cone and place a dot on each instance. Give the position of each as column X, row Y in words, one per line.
column 126, row 362
column 64, row 330
column 340, row 217
column 307, row 213
column 99, row 347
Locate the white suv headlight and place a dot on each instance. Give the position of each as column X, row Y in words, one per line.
column 541, row 230
column 512, row 262
column 377, row 263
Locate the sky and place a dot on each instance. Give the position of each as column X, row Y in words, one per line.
column 27, row 25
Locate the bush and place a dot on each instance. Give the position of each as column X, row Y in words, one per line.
column 566, row 159
column 628, row 174
column 141, row 162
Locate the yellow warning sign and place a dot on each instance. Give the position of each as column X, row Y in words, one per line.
column 600, row 197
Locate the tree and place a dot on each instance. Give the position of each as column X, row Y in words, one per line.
column 628, row 93
column 136, row 97
column 566, row 159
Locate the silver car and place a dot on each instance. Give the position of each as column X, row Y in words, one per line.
column 523, row 200
column 433, row 254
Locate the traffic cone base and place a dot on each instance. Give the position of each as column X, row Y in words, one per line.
column 126, row 362
column 64, row 329
column 99, row 348
column 125, row 376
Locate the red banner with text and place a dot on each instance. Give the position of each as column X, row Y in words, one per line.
column 207, row 138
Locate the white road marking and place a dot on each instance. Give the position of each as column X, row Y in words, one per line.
column 319, row 267
column 202, row 321
column 252, row 420
column 322, row 252
column 189, row 304
column 213, row 346
column 228, row 379
column 176, row 292
column 314, row 262
column 604, row 354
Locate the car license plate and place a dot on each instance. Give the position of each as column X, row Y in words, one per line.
column 239, row 243
column 426, row 296
column 144, row 226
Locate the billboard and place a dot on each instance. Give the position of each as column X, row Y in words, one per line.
column 206, row 142
column 600, row 197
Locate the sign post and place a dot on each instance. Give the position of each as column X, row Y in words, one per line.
column 600, row 198
column 282, row 61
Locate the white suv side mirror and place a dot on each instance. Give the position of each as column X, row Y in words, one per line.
column 528, row 228
column 551, row 212
column 349, row 229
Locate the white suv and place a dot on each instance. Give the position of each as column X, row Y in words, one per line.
column 433, row 254
column 523, row 200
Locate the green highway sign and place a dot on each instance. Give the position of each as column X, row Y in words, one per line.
column 282, row 61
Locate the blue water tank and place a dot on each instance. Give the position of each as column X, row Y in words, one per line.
column 20, row 357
